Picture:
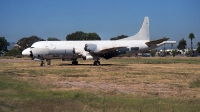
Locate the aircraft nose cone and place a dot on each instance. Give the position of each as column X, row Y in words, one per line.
column 26, row 52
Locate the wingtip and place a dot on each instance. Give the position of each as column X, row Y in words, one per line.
column 166, row 38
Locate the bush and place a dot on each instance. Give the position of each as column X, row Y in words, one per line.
column 174, row 53
column 153, row 53
column 14, row 52
column 19, row 56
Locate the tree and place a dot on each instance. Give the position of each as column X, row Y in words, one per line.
column 198, row 48
column 53, row 39
column 153, row 53
column 92, row 36
column 119, row 37
column 182, row 45
column 3, row 44
column 14, row 52
column 28, row 41
column 191, row 36
column 79, row 35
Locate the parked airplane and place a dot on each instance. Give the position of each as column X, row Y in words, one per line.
column 72, row 50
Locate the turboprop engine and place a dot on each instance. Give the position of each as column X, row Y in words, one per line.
column 90, row 47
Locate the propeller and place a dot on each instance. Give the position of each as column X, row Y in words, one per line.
column 31, row 55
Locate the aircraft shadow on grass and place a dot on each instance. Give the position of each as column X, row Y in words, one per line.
column 66, row 64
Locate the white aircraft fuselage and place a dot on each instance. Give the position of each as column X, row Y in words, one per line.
column 72, row 50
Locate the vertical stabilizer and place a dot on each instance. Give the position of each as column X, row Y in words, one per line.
column 143, row 34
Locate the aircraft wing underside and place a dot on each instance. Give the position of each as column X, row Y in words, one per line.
column 154, row 42
column 108, row 50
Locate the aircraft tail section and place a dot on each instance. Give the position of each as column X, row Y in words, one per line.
column 143, row 34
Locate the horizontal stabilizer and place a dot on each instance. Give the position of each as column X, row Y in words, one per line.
column 166, row 42
column 170, row 42
column 157, row 41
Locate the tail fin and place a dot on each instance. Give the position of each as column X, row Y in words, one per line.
column 143, row 34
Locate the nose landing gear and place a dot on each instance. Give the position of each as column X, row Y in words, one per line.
column 48, row 62
column 74, row 62
column 42, row 63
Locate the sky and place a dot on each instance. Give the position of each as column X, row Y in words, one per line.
column 174, row 19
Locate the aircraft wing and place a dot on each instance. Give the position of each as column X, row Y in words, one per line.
column 154, row 42
column 107, row 50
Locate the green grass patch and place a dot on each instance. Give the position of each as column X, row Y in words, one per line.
column 195, row 83
column 17, row 95
column 153, row 60
column 59, row 71
column 4, row 64
column 44, row 71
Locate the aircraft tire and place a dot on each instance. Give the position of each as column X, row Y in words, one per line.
column 74, row 62
column 42, row 64
column 96, row 63
column 48, row 62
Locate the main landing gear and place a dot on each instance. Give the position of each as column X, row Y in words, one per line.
column 96, row 63
column 48, row 62
column 74, row 62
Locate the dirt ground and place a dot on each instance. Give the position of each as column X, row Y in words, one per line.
column 14, row 60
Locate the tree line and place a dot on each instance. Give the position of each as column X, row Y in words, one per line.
column 26, row 42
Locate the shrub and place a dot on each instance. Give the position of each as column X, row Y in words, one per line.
column 174, row 53
column 13, row 52
column 153, row 53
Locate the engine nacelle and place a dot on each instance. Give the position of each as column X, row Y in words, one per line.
column 90, row 47
column 87, row 56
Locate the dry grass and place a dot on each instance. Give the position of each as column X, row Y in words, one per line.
column 163, row 80
column 166, row 78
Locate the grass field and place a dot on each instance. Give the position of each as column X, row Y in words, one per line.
column 120, row 84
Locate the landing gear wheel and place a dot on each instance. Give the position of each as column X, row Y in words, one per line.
column 42, row 63
column 48, row 62
column 74, row 62
column 96, row 63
